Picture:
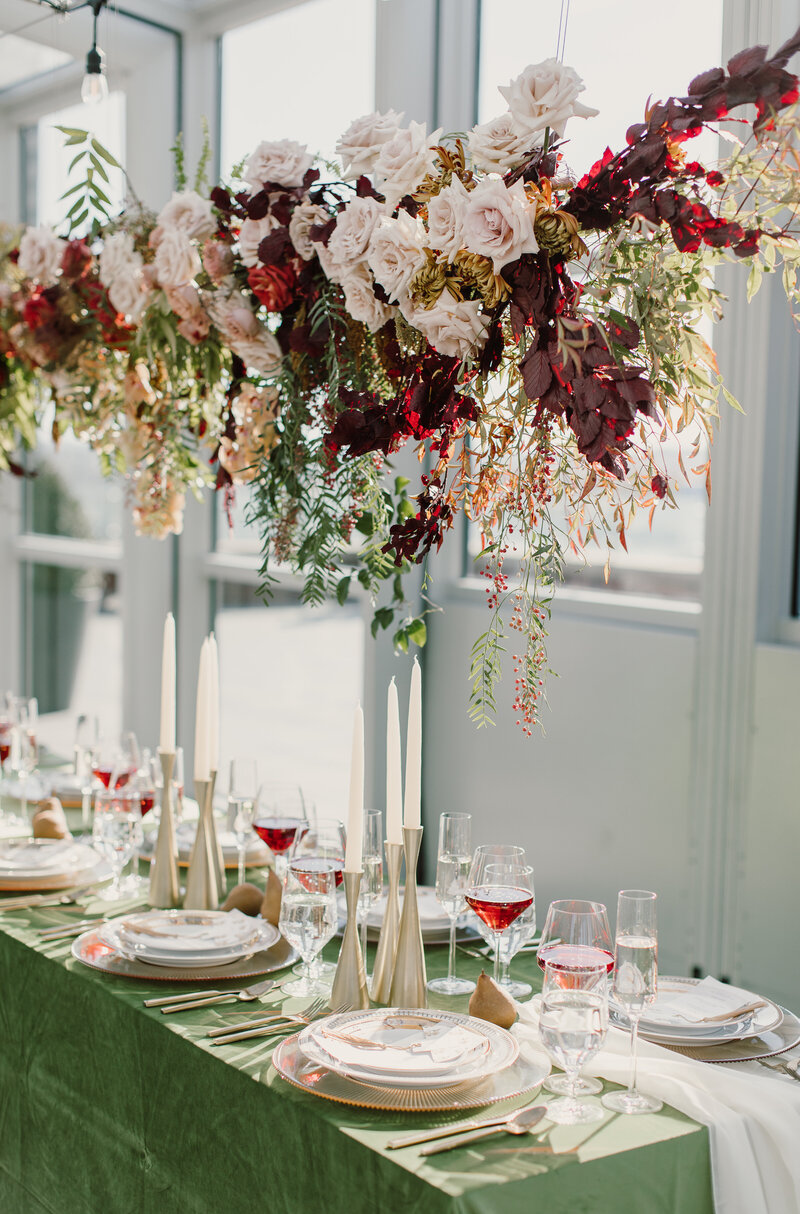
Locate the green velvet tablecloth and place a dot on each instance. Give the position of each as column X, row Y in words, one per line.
column 107, row 1107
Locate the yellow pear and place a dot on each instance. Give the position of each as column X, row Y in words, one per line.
column 246, row 897
column 49, row 821
column 489, row 1002
column 271, row 906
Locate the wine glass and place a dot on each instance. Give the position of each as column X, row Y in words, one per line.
column 371, row 886
column 116, row 832
column 573, row 1021
column 452, row 871
column 115, row 757
column 575, row 936
column 635, row 983
column 498, row 890
column 282, row 816
column 309, row 917
column 519, row 933
column 322, row 844
column 242, row 801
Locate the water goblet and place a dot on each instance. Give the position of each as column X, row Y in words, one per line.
column 308, row 919
column 452, row 872
column 498, row 890
column 635, row 983
column 242, row 801
column 573, row 1021
column 116, row 833
column 323, row 844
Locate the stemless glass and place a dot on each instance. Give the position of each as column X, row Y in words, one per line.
column 572, row 1025
column 281, row 817
column 575, row 937
column 323, row 844
column 242, row 801
column 635, row 983
column 308, row 918
column 452, row 871
column 371, row 886
column 116, row 833
column 498, row 890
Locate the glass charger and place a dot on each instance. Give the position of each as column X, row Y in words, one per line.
column 289, row 1061
column 749, row 1049
column 90, row 950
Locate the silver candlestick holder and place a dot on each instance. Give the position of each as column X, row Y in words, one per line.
column 349, row 990
column 164, row 887
column 408, row 987
column 216, row 846
column 387, row 943
column 202, row 887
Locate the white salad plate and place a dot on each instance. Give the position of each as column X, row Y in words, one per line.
column 409, row 1048
column 43, row 864
column 661, row 1025
column 188, row 938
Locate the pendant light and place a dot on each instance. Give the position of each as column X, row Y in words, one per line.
column 95, row 85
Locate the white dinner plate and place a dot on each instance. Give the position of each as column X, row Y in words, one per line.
column 44, row 864
column 190, row 938
column 669, row 1030
column 409, row 1047
column 256, row 856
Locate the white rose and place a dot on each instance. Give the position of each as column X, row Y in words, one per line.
column 281, row 161
column 261, row 353
column 453, row 327
column 40, row 253
column 545, row 95
column 245, row 334
column 496, row 145
column 404, row 161
column 118, row 258
column 189, row 212
column 361, row 301
column 395, row 252
column 332, row 267
column 177, row 260
column 251, row 234
column 498, row 222
column 354, row 227
column 362, row 141
column 128, row 296
column 304, row 217
column 446, row 218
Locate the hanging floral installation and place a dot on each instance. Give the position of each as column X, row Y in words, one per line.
column 536, row 339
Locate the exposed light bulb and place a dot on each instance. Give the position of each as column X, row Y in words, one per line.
column 95, row 86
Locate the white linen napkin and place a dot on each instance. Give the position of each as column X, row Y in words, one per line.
column 753, row 1122
column 694, row 1004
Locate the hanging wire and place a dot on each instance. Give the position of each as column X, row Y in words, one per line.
column 563, row 21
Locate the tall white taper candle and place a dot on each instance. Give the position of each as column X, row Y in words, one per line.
column 394, row 779
column 411, row 814
column 355, row 816
column 213, row 715
column 201, row 720
column 167, row 735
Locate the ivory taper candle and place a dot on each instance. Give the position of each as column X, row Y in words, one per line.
column 213, row 712
column 201, row 721
column 167, row 736
column 355, row 815
column 394, row 779
column 411, row 814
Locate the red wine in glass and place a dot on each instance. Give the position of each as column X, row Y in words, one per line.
column 146, row 801
column 103, row 774
column 5, row 751
column 279, row 833
column 498, row 905
column 575, row 957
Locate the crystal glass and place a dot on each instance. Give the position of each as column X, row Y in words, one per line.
column 178, row 785
column 576, row 936
column 452, row 872
column 282, row 816
column 371, row 886
column 521, row 931
column 20, row 762
column 573, row 1021
column 323, row 843
column 635, row 983
column 116, row 833
column 242, row 801
column 498, row 890
column 309, row 918
column 115, row 760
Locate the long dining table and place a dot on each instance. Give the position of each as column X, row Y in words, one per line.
column 109, row 1107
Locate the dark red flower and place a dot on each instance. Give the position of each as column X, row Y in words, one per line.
column 273, row 286
column 659, row 485
column 77, row 259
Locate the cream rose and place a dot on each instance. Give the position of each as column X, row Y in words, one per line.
column 361, row 301
column 361, row 143
column 40, row 253
column 354, row 227
column 496, row 145
column 305, row 216
column 218, row 260
column 545, row 95
column 498, row 222
column 251, row 234
column 261, row 353
column 118, row 258
column 396, row 252
column 404, row 161
column 281, row 161
column 177, row 260
column 453, row 327
column 234, row 318
column 446, row 218
column 128, row 296
column 189, row 212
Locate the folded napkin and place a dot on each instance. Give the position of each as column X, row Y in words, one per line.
column 753, row 1121
column 49, row 821
column 708, row 1000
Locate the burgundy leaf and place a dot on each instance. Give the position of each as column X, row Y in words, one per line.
column 536, row 373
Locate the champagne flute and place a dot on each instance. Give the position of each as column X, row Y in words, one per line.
column 371, row 886
column 498, row 891
column 452, row 871
column 308, row 919
column 116, row 832
column 573, row 1021
column 242, row 801
column 635, row 983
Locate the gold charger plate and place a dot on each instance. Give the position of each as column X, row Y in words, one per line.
column 524, row 1076
column 90, row 950
column 768, row 1044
